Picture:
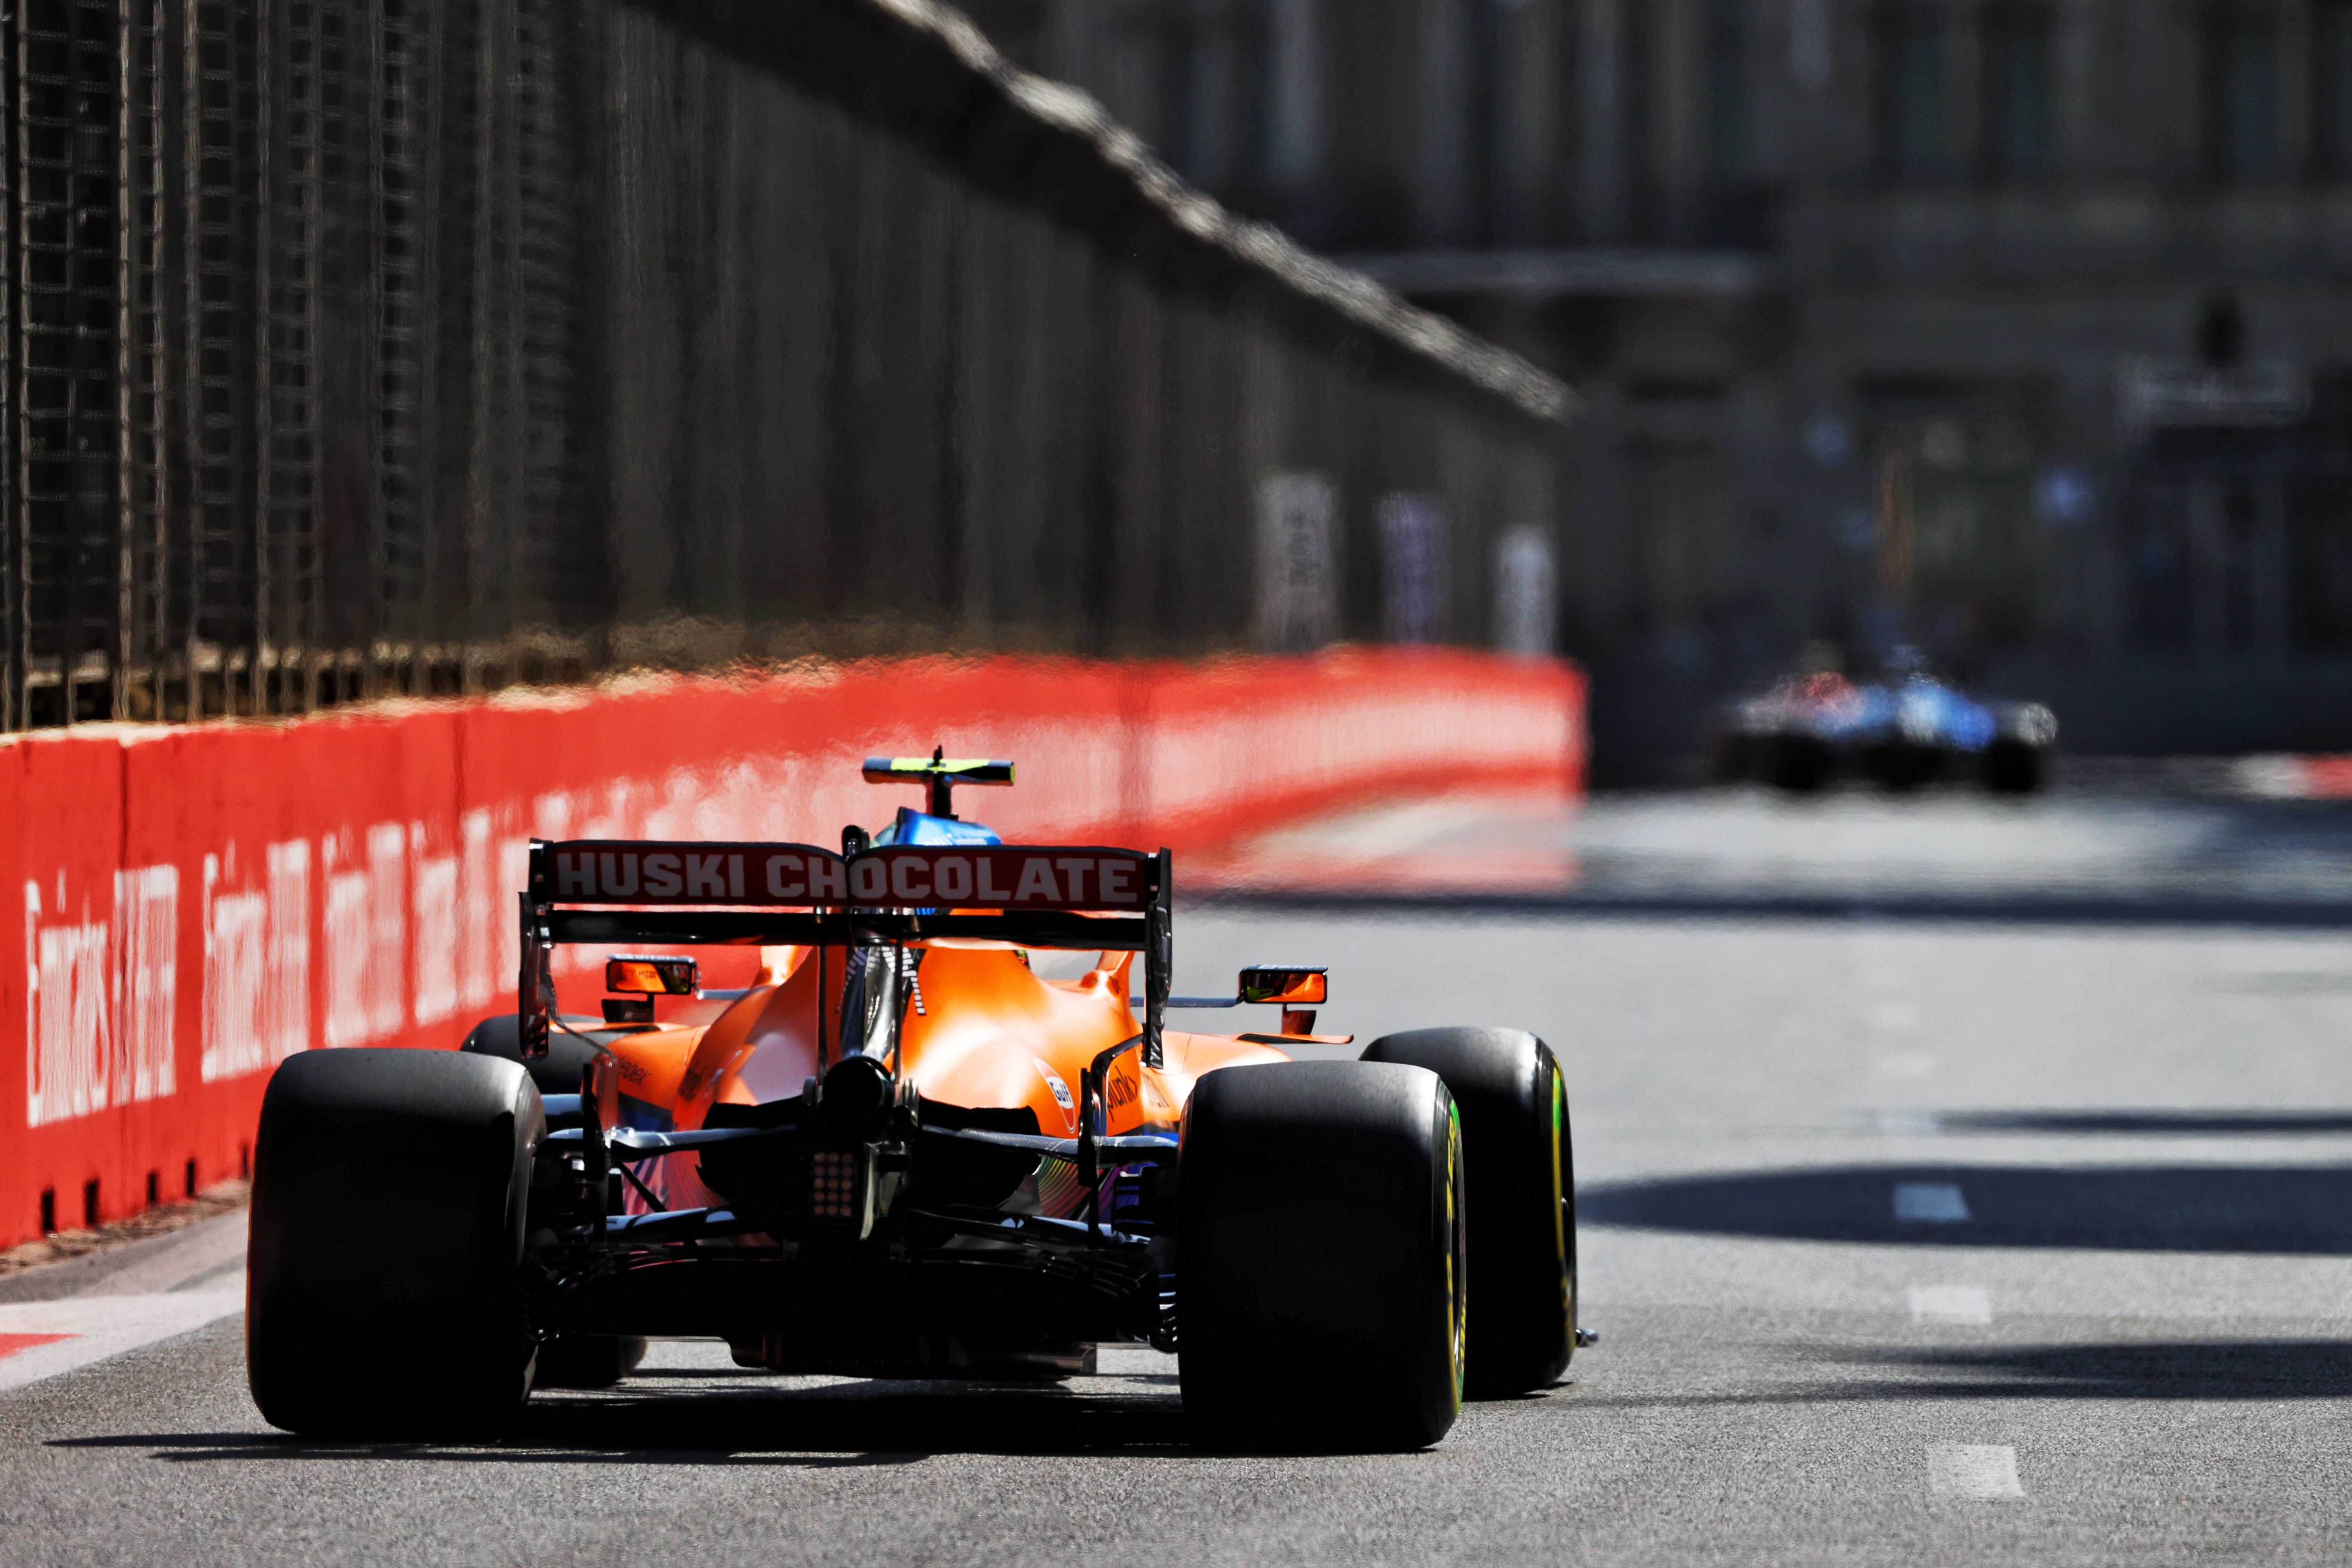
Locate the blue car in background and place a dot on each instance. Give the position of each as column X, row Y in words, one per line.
column 1904, row 730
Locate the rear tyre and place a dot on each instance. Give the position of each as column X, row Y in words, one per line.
column 1321, row 1254
column 2012, row 766
column 555, row 1072
column 1513, row 1100
column 383, row 1295
column 1901, row 766
column 1796, row 764
column 587, row 1361
column 1731, row 755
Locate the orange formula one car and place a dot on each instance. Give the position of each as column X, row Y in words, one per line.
column 903, row 1152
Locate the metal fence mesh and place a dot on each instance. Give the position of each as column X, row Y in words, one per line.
column 359, row 347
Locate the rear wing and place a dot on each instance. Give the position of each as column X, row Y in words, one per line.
column 696, row 894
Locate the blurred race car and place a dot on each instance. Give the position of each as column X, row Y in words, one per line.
column 1776, row 735
column 904, row 1152
column 1905, row 731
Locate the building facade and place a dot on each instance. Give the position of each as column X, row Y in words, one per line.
column 2017, row 329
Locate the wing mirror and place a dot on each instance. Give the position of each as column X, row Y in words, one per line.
column 1291, row 987
column 1296, row 989
column 1298, row 992
column 648, row 978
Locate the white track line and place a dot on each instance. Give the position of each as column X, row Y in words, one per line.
column 1929, row 1202
column 1950, row 1304
column 1981, row 1471
column 196, row 1279
column 103, row 1326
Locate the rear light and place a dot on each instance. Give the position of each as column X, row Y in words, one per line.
column 833, row 1185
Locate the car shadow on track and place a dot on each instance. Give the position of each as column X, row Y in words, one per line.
column 2200, row 1369
column 839, row 1425
column 2168, row 1370
column 2303, row 1210
column 2151, row 1123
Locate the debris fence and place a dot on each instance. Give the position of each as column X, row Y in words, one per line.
column 355, row 348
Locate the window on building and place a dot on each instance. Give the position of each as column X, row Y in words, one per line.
column 1726, row 91
column 2331, row 85
column 1735, row 212
column 1914, row 117
column 1957, row 534
column 1639, row 111
column 2241, row 91
column 2018, row 91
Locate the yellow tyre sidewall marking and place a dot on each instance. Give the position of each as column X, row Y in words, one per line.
column 1560, row 1199
column 1457, row 1312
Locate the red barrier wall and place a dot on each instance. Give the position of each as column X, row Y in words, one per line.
column 195, row 904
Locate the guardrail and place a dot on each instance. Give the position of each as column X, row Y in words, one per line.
column 197, row 902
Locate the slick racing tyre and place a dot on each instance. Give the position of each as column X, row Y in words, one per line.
column 587, row 1361
column 1513, row 1100
column 1902, row 767
column 1321, row 1257
column 383, row 1291
column 2012, row 766
column 1796, row 764
column 1731, row 755
column 557, row 1072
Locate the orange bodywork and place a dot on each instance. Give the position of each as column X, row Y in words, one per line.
column 903, row 1149
column 982, row 1031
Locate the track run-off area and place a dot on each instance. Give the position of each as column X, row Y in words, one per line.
column 1936, row 1216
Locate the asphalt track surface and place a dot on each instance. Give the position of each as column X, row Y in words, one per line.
column 1912, row 1238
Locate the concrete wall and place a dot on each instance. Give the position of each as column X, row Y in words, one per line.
column 194, row 903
